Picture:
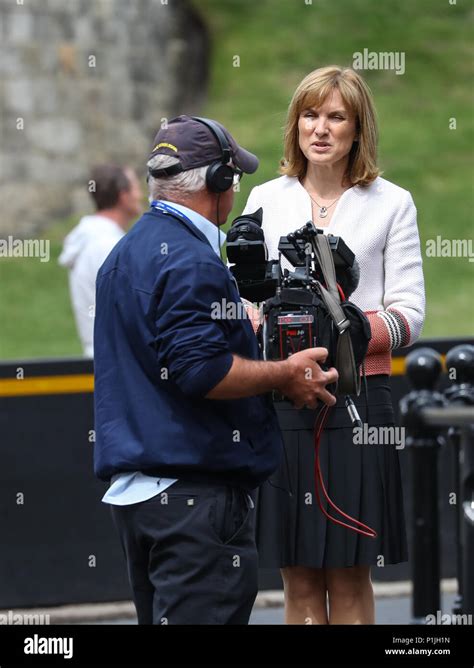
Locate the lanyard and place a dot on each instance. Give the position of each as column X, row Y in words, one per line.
column 170, row 211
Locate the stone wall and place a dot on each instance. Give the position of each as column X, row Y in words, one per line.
column 86, row 81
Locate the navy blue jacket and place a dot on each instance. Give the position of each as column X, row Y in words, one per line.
column 159, row 349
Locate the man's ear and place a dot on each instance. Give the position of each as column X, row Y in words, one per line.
column 122, row 197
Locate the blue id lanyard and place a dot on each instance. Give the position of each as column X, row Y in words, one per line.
column 170, row 210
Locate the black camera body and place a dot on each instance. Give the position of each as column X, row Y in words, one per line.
column 259, row 278
column 256, row 277
column 295, row 303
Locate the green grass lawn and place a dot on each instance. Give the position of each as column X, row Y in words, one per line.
column 35, row 312
column 278, row 42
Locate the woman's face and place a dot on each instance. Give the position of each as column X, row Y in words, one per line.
column 326, row 134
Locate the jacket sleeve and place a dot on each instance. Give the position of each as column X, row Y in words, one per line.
column 399, row 324
column 191, row 336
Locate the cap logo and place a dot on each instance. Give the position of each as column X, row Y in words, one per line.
column 165, row 145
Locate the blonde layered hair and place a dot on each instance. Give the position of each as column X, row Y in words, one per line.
column 362, row 167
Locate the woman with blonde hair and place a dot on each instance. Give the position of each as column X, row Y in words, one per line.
column 329, row 175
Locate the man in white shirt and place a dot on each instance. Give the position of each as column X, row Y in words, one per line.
column 118, row 198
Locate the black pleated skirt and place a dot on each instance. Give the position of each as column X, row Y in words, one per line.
column 363, row 480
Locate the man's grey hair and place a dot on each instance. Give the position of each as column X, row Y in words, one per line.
column 178, row 187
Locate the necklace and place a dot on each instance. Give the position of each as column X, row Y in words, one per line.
column 323, row 210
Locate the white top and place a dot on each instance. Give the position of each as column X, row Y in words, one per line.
column 85, row 250
column 378, row 223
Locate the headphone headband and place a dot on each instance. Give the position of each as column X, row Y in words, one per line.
column 219, row 135
column 219, row 174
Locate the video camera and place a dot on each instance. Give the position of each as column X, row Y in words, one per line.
column 308, row 306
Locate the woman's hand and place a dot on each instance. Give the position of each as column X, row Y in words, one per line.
column 253, row 313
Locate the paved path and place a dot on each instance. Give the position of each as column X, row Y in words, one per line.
column 389, row 610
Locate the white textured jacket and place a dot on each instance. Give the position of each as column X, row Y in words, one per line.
column 378, row 223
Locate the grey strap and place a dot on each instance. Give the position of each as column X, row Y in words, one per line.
column 335, row 309
column 349, row 379
column 323, row 253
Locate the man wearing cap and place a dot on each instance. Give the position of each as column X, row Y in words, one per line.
column 185, row 428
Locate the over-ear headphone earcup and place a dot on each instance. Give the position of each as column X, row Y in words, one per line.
column 219, row 177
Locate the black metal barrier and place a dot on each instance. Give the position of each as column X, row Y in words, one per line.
column 433, row 419
column 57, row 540
column 58, row 544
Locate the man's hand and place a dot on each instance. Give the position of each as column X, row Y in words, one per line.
column 300, row 378
column 306, row 382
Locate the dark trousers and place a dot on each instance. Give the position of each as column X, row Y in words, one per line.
column 191, row 554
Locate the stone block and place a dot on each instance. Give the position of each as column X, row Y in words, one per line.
column 57, row 135
column 19, row 96
column 19, row 24
column 150, row 60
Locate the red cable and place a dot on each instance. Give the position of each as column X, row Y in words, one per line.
column 341, row 293
column 371, row 533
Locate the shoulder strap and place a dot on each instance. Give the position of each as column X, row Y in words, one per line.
column 323, row 253
column 349, row 379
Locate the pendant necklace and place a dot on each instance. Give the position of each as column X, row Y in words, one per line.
column 323, row 210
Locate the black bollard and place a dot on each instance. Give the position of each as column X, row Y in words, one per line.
column 423, row 369
column 460, row 367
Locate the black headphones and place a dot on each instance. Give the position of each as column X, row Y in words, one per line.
column 219, row 175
